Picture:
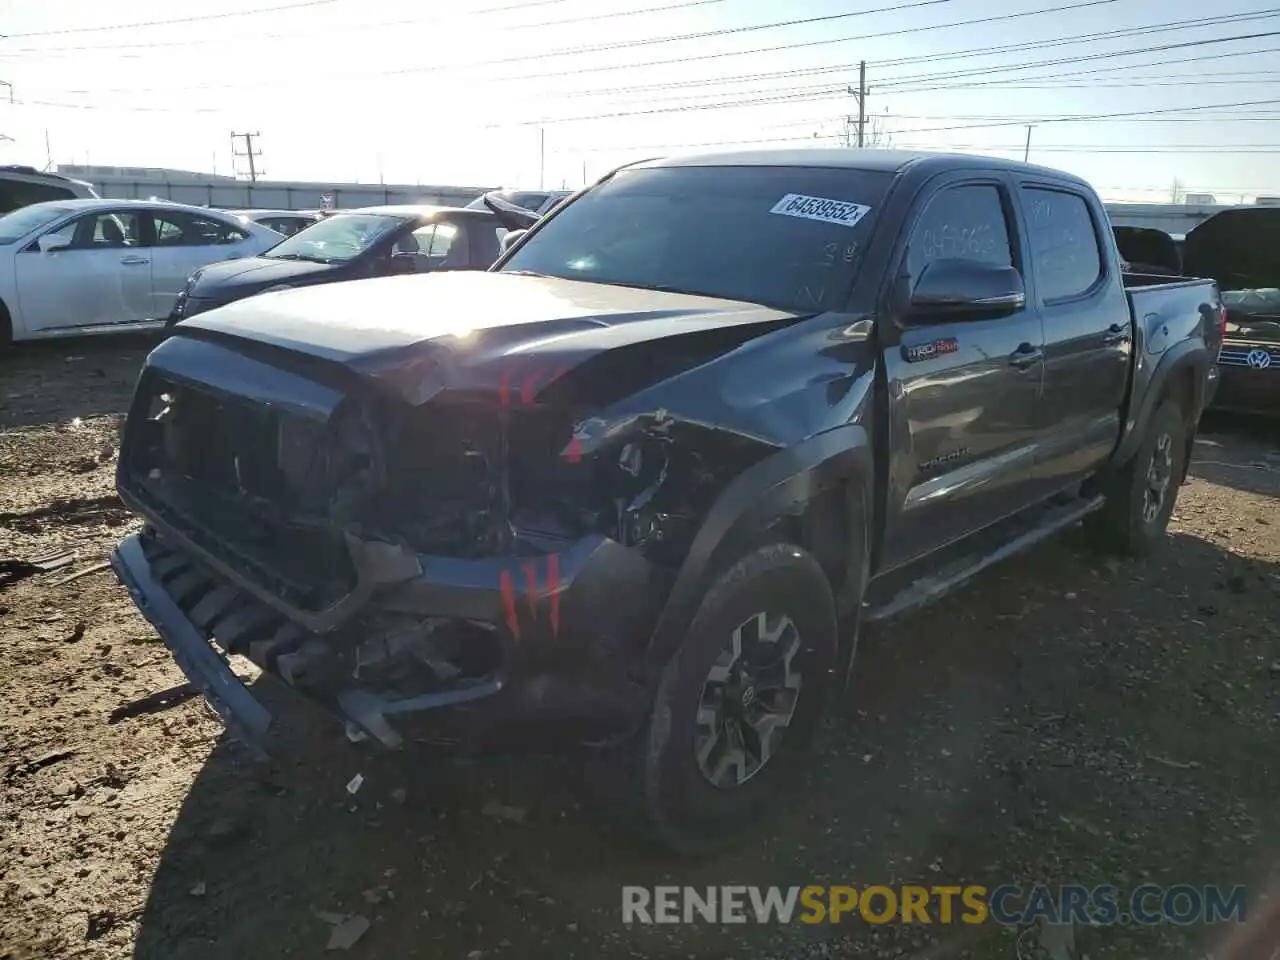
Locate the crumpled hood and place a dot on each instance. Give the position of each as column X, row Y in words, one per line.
column 421, row 334
column 221, row 278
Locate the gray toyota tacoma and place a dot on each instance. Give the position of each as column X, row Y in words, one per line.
column 635, row 488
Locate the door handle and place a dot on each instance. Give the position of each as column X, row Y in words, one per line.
column 1025, row 356
column 1116, row 334
column 134, row 261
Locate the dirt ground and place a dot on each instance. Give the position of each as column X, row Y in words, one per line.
column 1064, row 719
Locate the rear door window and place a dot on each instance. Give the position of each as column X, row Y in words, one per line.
column 1064, row 243
column 179, row 229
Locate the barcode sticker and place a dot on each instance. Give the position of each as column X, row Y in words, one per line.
column 819, row 208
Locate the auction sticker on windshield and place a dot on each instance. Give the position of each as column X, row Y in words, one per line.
column 820, row 208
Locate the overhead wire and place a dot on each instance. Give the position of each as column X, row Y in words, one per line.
column 371, row 25
column 609, row 47
column 173, row 21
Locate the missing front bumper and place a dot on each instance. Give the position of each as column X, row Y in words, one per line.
column 570, row 665
column 152, row 583
column 204, row 667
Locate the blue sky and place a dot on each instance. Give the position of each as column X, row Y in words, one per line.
column 405, row 91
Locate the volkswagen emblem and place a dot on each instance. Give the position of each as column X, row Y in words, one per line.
column 1258, row 359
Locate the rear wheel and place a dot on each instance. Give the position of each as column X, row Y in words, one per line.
column 739, row 702
column 1142, row 495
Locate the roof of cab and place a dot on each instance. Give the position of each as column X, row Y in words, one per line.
column 886, row 161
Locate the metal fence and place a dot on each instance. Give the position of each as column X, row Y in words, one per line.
column 282, row 195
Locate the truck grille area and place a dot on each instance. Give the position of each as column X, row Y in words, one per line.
column 394, row 655
column 248, row 483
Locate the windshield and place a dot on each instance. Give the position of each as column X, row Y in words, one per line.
column 336, row 239
column 785, row 237
column 1264, row 301
column 14, row 226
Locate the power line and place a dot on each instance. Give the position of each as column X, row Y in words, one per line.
column 810, row 93
column 1137, row 82
column 1244, row 16
column 895, row 82
column 1094, row 71
column 325, row 31
column 1246, row 149
column 574, row 51
column 1091, row 117
column 849, row 67
column 1078, row 118
column 301, row 4
column 1131, row 31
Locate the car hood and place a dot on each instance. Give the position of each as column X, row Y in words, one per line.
column 254, row 271
column 418, row 335
column 1147, row 247
column 1240, row 249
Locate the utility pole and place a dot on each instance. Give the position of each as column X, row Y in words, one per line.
column 542, row 158
column 860, row 124
column 862, row 103
column 250, row 153
column 1026, row 151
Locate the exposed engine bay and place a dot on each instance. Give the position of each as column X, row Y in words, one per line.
column 463, row 478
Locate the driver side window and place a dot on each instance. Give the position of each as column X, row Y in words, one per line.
column 104, row 231
column 961, row 223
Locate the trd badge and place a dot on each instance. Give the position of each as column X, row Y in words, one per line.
column 916, row 352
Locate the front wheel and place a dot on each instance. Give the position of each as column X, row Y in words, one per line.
column 1141, row 498
column 739, row 702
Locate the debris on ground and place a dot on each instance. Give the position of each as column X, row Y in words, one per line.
column 345, row 935
column 104, row 565
column 22, row 769
column 154, row 702
column 12, row 570
column 502, row 812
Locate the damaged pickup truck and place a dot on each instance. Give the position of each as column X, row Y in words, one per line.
column 636, row 487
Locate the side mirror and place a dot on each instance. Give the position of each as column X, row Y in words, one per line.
column 966, row 289
column 509, row 239
column 52, row 242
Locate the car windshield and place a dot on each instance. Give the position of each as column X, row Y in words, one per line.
column 336, row 239
column 1263, row 301
column 785, row 237
column 14, row 226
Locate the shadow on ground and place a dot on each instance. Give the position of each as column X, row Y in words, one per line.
column 1064, row 719
column 1239, row 452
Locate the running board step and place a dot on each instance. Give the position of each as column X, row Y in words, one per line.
column 928, row 589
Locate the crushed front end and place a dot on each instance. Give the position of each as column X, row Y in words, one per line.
column 460, row 566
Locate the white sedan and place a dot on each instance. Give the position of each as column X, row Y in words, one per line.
column 77, row 267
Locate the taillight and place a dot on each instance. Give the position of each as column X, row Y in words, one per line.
column 1222, row 328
